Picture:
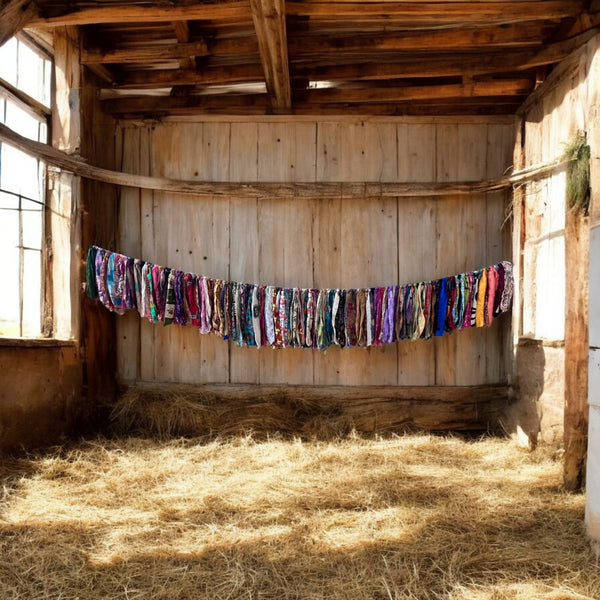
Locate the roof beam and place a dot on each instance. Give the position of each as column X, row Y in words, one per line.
column 456, row 65
column 182, row 33
column 104, row 73
column 424, row 13
column 269, row 24
column 242, row 103
column 520, row 35
column 157, row 78
column 145, row 54
column 14, row 15
column 368, row 100
column 147, row 14
column 258, row 104
column 504, row 87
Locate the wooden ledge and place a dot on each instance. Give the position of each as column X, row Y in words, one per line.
column 167, row 409
column 36, row 343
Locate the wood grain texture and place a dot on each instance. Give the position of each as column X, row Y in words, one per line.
column 307, row 411
column 325, row 242
column 14, row 15
column 269, row 23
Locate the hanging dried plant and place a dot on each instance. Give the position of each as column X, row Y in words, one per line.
column 578, row 174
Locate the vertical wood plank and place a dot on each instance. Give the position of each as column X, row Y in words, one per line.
column 244, row 246
column 500, row 142
column 369, row 244
column 129, row 243
column 285, row 233
column 473, row 346
column 147, row 330
column 327, row 242
column 189, row 233
column 416, row 242
column 448, row 240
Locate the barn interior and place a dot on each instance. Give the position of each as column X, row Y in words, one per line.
column 308, row 144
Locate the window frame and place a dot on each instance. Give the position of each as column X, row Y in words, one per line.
column 43, row 115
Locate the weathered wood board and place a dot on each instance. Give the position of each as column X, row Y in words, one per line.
column 334, row 242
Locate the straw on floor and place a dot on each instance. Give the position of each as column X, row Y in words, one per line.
column 413, row 517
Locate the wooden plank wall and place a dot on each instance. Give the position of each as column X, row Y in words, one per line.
column 320, row 243
column 554, row 243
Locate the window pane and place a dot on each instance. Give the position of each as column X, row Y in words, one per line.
column 21, row 122
column 8, row 61
column 19, row 173
column 8, row 201
column 32, row 229
column 9, row 297
column 32, row 293
column 31, row 74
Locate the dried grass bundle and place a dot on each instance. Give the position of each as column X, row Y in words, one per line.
column 578, row 173
column 403, row 518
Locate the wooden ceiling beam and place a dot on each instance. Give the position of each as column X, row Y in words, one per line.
column 258, row 104
column 157, row 78
column 14, row 15
column 182, row 33
column 145, row 54
column 441, row 12
column 504, row 87
column 522, row 35
column 103, row 72
column 147, row 14
column 456, row 65
column 269, row 24
column 189, row 105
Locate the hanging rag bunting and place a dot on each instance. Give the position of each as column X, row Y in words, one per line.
column 258, row 315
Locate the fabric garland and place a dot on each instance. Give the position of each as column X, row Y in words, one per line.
column 258, row 315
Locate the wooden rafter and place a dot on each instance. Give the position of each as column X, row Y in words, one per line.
column 509, row 87
column 270, row 27
column 258, row 104
column 522, row 35
column 211, row 76
column 103, row 72
column 145, row 53
column 147, row 14
column 182, row 33
column 14, row 15
column 455, row 65
column 444, row 12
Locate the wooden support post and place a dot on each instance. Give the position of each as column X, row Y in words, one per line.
column 78, row 217
column 576, row 349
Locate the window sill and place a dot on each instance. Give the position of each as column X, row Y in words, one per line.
column 35, row 343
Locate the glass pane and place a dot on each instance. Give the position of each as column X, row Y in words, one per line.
column 8, row 61
column 19, row 173
column 32, row 73
column 8, row 201
column 32, row 293
column 32, row 229
column 43, row 133
column 28, row 205
column 9, row 293
column 21, row 121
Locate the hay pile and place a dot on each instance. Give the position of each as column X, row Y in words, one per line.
column 411, row 518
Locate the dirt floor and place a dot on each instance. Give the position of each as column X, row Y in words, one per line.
column 415, row 517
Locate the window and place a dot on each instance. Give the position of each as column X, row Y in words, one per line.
column 22, row 188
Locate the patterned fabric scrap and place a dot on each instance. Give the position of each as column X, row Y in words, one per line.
column 253, row 315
